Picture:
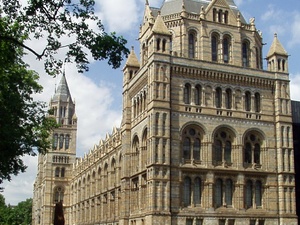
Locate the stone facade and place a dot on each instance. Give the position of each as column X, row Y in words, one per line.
column 206, row 134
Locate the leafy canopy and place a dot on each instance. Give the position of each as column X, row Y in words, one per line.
column 21, row 214
column 23, row 123
column 59, row 26
column 70, row 26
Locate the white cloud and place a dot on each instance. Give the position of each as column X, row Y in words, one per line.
column 295, row 29
column 118, row 15
column 294, row 85
column 21, row 186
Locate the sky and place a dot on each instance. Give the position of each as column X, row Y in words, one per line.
column 98, row 93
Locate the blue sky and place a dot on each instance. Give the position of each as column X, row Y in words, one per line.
column 98, row 93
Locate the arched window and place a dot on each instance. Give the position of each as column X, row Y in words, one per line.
column 227, row 152
column 226, row 17
column 218, row 97
column 218, row 195
column 62, row 172
column 257, row 153
column 228, row 99
column 258, row 194
column 192, row 44
column 164, row 44
column 283, row 65
column 214, row 48
column 248, row 194
column 223, row 147
column 191, row 143
column 187, row 94
column 257, row 102
column 187, row 191
column 187, row 148
column 220, row 16
column 61, row 141
column 196, row 152
column 57, row 170
column 158, row 44
column 198, row 94
column 257, row 58
column 226, row 49
column 218, row 151
column 228, row 192
column 252, row 149
column 197, row 191
column 67, row 141
column 55, row 141
column 248, row 101
column 214, row 15
column 58, row 194
column 248, row 153
column 245, row 53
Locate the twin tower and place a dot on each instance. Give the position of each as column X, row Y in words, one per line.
column 206, row 134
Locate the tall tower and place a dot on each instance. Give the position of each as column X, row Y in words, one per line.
column 55, row 167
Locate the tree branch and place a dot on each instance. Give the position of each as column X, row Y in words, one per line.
column 15, row 41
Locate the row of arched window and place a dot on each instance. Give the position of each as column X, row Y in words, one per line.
column 61, row 141
column 220, row 16
column 222, row 146
column 60, row 159
column 222, row 50
column 223, row 193
column 222, row 98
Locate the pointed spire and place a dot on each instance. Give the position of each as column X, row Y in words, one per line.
column 132, row 59
column 62, row 92
column 160, row 27
column 276, row 48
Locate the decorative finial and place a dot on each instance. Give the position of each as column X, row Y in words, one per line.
column 275, row 35
column 147, row 2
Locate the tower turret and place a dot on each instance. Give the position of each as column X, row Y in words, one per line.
column 277, row 57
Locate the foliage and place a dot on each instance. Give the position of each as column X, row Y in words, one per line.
column 68, row 25
column 18, row 215
column 23, row 123
column 60, row 26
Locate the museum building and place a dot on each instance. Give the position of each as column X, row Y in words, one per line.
column 206, row 136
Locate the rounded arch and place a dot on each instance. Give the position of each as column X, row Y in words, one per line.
column 192, row 138
column 226, row 128
column 194, row 124
column 223, row 139
column 257, row 131
column 253, row 141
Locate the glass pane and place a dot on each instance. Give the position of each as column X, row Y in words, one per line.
column 218, row 151
column 228, row 192
column 218, row 193
column 257, row 153
column 187, row 191
column 227, row 156
column 197, row 192
column 187, row 148
column 196, row 149
column 258, row 195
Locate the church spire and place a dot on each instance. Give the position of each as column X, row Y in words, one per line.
column 62, row 92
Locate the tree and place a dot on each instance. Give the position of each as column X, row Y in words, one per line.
column 23, row 122
column 17, row 215
column 64, row 25
column 68, row 25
